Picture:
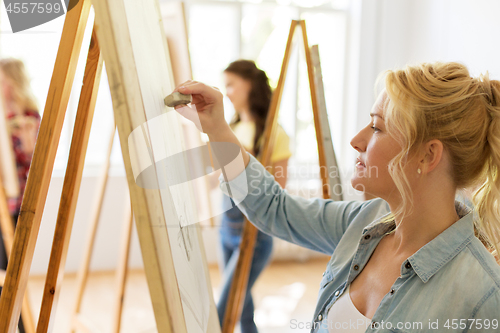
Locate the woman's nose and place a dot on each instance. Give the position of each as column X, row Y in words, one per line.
column 358, row 142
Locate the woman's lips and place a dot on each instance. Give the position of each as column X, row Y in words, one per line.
column 360, row 164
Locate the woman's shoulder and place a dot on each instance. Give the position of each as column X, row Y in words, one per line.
column 281, row 149
column 473, row 272
column 281, row 132
column 483, row 260
column 244, row 131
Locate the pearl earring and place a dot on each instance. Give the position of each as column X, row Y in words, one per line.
column 419, row 171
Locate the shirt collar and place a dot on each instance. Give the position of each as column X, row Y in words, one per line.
column 444, row 247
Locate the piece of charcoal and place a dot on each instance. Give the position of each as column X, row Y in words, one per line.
column 177, row 98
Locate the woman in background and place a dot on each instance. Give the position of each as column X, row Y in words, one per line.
column 23, row 122
column 248, row 89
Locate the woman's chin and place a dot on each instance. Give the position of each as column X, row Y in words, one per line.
column 358, row 184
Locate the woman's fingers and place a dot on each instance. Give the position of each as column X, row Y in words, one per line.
column 198, row 88
column 197, row 100
column 206, row 109
column 183, row 84
column 190, row 89
column 200, row 92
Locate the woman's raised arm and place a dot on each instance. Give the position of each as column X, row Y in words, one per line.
column 317, row 224
column 207, row 113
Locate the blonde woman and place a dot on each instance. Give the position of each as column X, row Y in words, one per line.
column 408, row 261
column 23, row 120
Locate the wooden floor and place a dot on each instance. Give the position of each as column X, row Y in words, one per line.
column 285, row 291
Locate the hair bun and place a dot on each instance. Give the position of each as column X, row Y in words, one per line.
column 485, row 87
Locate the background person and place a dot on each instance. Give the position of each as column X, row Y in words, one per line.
column 248, row 89
column 23, row 121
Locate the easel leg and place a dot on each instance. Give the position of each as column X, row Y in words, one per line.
column 130, row 104
column 326, row 148
column 6, row 223
column 121, row 273
column 316, row 115
column 7, row 227
column 83, row 270
column 42, row 165
column 72, row 182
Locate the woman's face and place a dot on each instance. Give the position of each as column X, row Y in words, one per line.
column 376, row 149
column 237, row 90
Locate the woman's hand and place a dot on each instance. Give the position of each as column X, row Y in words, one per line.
column 207, row 109
column 207, row 113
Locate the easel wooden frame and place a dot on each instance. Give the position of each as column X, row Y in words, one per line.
column 115, row 35
column 41, row 167
column 326, row 157
column 7, row 228
column 181, row 66
column 111, row 20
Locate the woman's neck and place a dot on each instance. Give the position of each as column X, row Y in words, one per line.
column 432, row 214
column 245, row 114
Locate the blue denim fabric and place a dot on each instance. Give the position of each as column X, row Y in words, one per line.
column 452, row 281
column 230, row 234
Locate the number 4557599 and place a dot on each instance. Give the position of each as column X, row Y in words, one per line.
column 34, row 7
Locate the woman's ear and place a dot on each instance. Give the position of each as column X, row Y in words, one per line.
column 432, row 155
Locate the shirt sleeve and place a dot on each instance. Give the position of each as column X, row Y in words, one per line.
column 317, row 224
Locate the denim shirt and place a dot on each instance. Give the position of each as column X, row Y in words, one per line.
column 451, row 284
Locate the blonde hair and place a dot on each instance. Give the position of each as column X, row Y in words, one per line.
column 15, row 72
column 442, row 101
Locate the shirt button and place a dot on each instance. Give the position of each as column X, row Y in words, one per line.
column 337, row 293
column 373, row 324
column 392, row 291
column 408, row 265
column 320, row 317
column 367, row 237
column 356, row 267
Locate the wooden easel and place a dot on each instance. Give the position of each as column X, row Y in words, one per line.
column 176, row 33
column 326, row 158
column 111, row 21
column 7, row 228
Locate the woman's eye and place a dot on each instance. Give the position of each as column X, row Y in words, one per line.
column 376, row 129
